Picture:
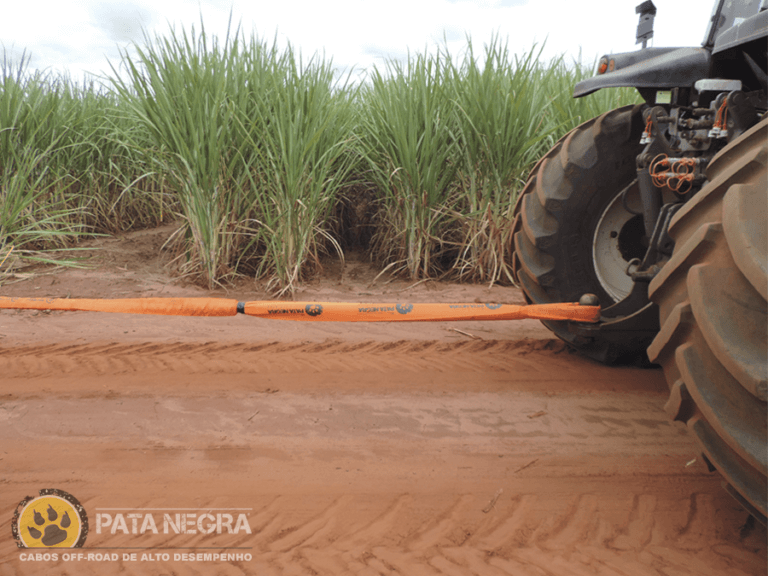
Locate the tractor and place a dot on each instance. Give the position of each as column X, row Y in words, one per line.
column 658, row 212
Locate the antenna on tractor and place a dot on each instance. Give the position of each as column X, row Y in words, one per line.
column 647, row 11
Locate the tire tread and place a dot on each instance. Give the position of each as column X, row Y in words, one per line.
column 712, row 344
column 571, row 170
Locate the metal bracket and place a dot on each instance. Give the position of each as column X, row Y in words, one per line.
column 647, row 12
column 660, row 245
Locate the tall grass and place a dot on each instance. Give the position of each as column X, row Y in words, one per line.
column 254, row 142
column 450, row 141
column 252, row 149
column 301, row 130
column 68, row 164
column 31, row 218
column 179, row 89
column 408, row 138
column 505, row 121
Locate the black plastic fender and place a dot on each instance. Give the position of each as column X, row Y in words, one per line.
column 667, row 69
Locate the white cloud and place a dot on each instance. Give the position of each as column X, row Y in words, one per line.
column 82, row 36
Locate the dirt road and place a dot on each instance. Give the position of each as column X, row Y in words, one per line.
column 335, row 450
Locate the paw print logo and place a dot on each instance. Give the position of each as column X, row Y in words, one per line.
column 54, row 519
column 314, row 309
column 404, row 308
column 54, row 533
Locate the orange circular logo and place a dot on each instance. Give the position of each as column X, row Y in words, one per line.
column 54, row 519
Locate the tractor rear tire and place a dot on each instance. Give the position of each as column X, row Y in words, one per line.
column 713, row 342
column 572, row 205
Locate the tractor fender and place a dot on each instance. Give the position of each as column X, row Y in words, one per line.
column 659, row 68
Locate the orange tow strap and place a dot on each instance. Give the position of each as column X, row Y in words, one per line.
column 313, row 311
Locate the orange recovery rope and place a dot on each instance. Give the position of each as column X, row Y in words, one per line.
column 312, row 311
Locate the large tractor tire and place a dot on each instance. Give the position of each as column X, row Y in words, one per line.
column 573, row 234
column 713, row 342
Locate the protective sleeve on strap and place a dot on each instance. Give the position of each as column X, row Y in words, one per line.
column 315, row 311
column 161, row 306
column 406, row 312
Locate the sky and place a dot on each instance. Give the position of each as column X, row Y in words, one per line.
column 81, row 37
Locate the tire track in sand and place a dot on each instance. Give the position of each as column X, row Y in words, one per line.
column 529, row 364
column 410, row 534
column 558, row 518
column 575, row 547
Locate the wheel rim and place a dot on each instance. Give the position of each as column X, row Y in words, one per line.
column 618, row 238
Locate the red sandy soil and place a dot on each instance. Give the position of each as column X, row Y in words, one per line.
column 352, row 448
